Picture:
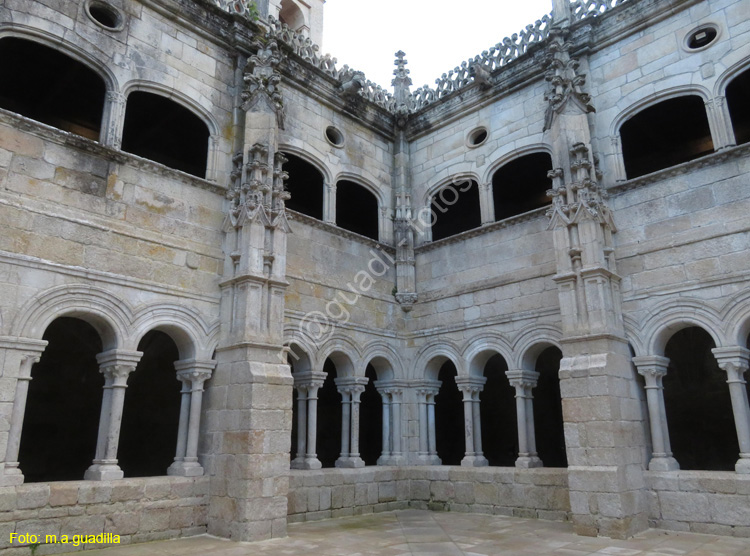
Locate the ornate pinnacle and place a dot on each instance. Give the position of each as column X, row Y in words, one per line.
column 401, row 81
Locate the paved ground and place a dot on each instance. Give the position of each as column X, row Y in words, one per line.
column 419, row 533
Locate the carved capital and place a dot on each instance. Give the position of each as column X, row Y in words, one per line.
column 652, row 368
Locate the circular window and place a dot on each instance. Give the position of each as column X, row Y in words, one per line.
column 477, row 137
column 701, row 37
column 104, row 15
column 334, row 136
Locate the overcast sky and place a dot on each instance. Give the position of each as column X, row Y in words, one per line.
column 437, row 35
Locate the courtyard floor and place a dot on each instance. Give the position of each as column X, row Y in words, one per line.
column 422, row 533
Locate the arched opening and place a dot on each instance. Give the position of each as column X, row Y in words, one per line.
column 521, row 185
column 48, row 86
column 162, row 130
column 738, row 91
column 498, row 415
column 548, row 417
column 292, row 15
column 370, row 421
column 665, row 134
column 449, row 417
column 356, row 209
column 698, row 406
column 151, row 413
column 329, row 418
column 305, row 184
column 455, row 209
column 60, row 425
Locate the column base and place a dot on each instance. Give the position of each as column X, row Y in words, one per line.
column 11, row 475
column 185, row 469
column 663, row 463
column 104, row 471
column 429, row 459
column 528, row 462
column 474, row 461
column 743, row 465
column 306, row 463
column 349, row 462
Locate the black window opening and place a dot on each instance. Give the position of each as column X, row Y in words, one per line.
column 666, row 134
column 455, row 209
column 698, row 404
column 356, row 209
column 305, row 184
column 151, row 412
column 548, row 415
column 164, row 131
column 498, row 415
column 737, row 94
column 58, row 441
column 521, row 185
column 48, row 86
column 449, row 417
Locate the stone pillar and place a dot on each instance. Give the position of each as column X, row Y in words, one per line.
column 329, row 203
column 385, row 457
column 426, row 392
column 734, row 361
column 722, row 132
column 524, row 381
column 193, row 374
column 113, row 119
column 653, row 368
column 470, row 388
column 350, row 388
column 116, row 365
column 432, row 441
column 23, row 357
column 396, row 395
column 422, row 400
column 486, row 203
column 299, row 461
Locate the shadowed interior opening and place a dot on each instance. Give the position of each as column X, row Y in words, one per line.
column 521, row 185
column 305, row 184
column 356, row 209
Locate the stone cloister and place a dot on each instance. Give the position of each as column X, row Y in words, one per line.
column 243, row 285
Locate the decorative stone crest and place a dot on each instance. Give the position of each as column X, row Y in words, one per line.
column 352, row 82
column 565, row 94
column 262, row 92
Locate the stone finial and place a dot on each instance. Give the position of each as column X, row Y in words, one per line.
column 262, row 92
column 401, row 82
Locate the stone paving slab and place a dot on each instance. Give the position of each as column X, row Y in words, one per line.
column 422, row 533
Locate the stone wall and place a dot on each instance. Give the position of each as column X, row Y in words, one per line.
column 139, row 510
column 700, row 501
column 538, row 493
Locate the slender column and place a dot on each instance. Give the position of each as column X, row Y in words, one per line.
column 356, row 393
column 431, row 425
column 182, row 429
column 346, row 419
column 653, row 368
column 396, row 429
column 486, row 204
column 524, row 381
column 116, row 366
column 734, row 360
column 298, row 462
column 329, row 203
column 385, row 457
column 477, row 425
column 114, row 117
column 11, row 473
column 311, row 458
column 193, row 374
column 468, row 425
column 423, row 449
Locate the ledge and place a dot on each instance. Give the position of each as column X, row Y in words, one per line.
column 335, row 230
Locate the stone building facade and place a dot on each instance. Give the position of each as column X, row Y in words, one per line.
column 242, row 286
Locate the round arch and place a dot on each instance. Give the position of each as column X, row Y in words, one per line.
column 456, row 179
column 729, row 74
column 531, row 341
column 481, row 349
column 309, row 157
column 673, row 316
column 384, row 359
column 431, row 357
column 183, row 325
column 511, row 155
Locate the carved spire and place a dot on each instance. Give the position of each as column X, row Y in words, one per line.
column 566, row 90
column 262, row 92
column 401, row 82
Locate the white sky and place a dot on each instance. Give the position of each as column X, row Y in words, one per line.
column 436, row 35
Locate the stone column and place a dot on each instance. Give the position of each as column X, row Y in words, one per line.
column 422, row 400
column 350, row 388
column 734, row 361
column 11, row 474
column 116, row 365
column 722, row 132
column 329, row 203
column 470, row 388
column 476, row 410
column 653, row 368
column 113, row 119
column 396, row 428
column 486, row 203
column 524, row 381
column 311, row 457
column 299, row 461
column 385, row 457
column 432, row 441
column 193, row 374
